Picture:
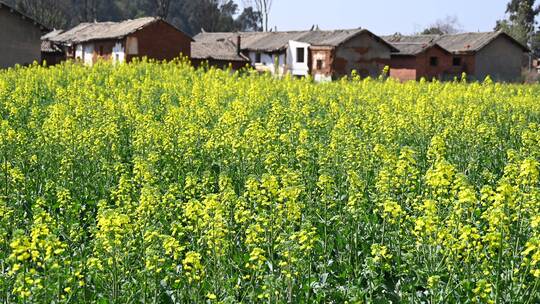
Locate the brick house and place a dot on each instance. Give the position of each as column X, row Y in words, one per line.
column 122, row 41
column 20, row 36
column 419, row 56
column 325, row 55
column 445, row 56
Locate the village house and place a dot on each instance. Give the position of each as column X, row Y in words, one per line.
column 52, row 53
column 325, row 55
column 446, row 56
column 420, row 57
column 20, row 36
column 123, row 41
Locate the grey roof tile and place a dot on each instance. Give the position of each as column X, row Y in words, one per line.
column 455, row 43
column 278, row 41
column 219, row 50
column 103, row 30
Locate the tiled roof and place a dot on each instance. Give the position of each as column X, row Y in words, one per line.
column 51, row 34
column 49, row 47
column 103, row 30
column 412, row 45
column 278, row 41
column 219, row 50
column 455, row 43
column 472, row 42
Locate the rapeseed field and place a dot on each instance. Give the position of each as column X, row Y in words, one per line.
column 161, row 183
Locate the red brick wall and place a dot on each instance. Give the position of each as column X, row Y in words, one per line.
column 324, row 54
column 403, row 67
column 402, row 62
column 407, row 67
column 469, row 64
column 161, row 41
column 426, row 70
column 403, row 74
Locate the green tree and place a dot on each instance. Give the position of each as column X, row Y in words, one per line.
column 249, row 20
column 521, row 21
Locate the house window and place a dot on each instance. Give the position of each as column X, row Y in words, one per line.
column 101, row 50
column 456, row 61
column 434, row 61
column 300, row 54
column 320, row 64
column 258, row 58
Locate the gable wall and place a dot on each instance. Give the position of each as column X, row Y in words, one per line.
column 362, row 53
column 160, row 41
column 501, row 59
column 20, row 40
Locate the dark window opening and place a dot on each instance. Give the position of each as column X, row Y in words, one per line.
column 456, row 61
column 434, row 61
column 258, row 58
column 319, row 64
column 300, row 54
column 101, row 50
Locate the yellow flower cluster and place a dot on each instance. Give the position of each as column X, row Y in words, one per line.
column 159, row 182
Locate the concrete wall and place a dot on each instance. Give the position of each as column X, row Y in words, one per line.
column 20, row 39
column 501, row 59
column 363, row 53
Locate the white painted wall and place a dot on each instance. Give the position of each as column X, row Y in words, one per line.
column 322, row 78
column 118, row 53
column 297, row 68
column 79, row 52
column 267, row 63
column 287, row 62
column 88, row 55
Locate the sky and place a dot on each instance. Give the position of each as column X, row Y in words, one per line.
column 385, row 16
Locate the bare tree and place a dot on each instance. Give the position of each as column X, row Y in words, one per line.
column 263, row 7
column 448, row 25
column 162, row 9
column 51, row 13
